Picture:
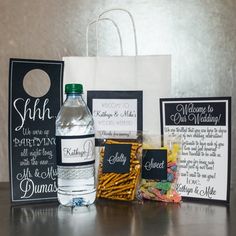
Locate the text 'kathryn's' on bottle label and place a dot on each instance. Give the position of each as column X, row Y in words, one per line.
column 75, row 150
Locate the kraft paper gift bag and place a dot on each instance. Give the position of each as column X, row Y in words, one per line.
column 151, row 74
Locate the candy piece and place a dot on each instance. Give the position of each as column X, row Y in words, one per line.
column 170, row 164
column 150, row 193
column 171, row 158
column 158, row 194
column 150, row 184
column 159, row 185
column 143, row 181
column 176, row 197
column 163, row 185
column 145, row 195
column 173, row 168
column 169, row 193
column 163, row 192
column 176, row 148
column 166, row 186
column 170, row 177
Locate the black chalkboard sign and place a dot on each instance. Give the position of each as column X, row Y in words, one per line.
column 116, row 158
column 32, row 149
column 154, row 164
column 204, row 125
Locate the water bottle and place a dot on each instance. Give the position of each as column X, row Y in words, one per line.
column 75, row 144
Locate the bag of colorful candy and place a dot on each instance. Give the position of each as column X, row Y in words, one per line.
column 119, row 167
column 160, row 169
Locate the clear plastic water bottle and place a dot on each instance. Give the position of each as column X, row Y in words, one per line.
column 75, row 150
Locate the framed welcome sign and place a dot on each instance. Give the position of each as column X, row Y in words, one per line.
column 204, row 125
column 117, row 114
column 32, row 150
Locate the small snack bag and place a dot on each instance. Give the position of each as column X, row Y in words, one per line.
column 119, row 169
column 160, row 170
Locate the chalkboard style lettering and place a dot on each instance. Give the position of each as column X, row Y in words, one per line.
column 31, row 111
column 117, row 158
column 32, row 142
column 154, row 164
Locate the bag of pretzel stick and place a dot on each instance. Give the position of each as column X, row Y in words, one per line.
column 119, row 167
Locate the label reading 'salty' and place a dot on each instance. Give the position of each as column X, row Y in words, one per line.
column 116, row 158
column 154, row 164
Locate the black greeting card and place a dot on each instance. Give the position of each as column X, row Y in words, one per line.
column 32, row 150
column 204, row 125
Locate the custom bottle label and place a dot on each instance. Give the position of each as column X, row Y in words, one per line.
column 75, row 150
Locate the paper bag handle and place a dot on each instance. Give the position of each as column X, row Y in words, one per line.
column 132, row 21
column 95, row 22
